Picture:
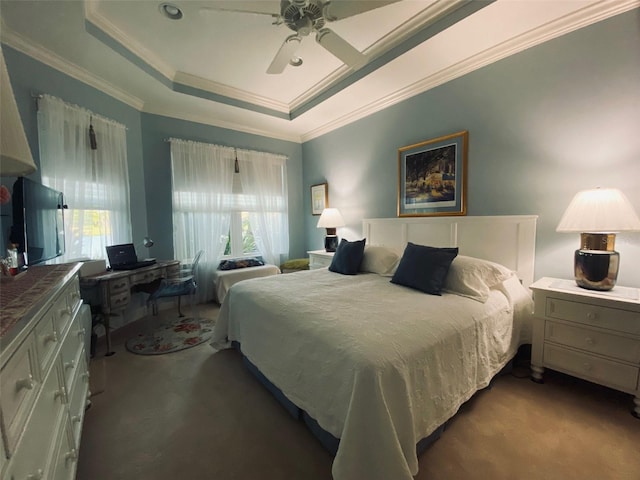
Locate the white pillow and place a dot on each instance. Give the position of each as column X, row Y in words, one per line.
column 380, row 260
column 473, row 277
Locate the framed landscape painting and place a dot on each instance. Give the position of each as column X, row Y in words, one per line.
column 432, row 177
column 319, row 198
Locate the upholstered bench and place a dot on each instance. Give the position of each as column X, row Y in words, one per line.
column 224, row 279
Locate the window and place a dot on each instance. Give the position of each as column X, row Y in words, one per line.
column 240, row 240
column 210, row 213
column 95, row 183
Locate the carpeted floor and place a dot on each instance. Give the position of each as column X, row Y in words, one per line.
column 194, row 415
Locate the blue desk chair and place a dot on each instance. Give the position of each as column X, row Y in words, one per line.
column 185, row 284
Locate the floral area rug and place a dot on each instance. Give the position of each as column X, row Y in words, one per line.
column 171, row 337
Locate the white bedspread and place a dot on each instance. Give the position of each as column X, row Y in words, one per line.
column 376, row 364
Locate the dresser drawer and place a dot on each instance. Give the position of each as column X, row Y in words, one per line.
column 20, row 384
column 65, row 457
column 78, row 400
column 46, row 339
column 621, row 348
column 72, row 347
column 594, row 315
column 72, row 295
column 605, row 372
column 35, row 448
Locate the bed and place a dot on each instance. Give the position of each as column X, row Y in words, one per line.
column 378, row 366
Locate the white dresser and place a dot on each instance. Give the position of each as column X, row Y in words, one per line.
column 44, row 373
column 319, row 259
column 588, row 334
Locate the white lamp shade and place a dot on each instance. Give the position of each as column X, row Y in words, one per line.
column 601, row 210
column 15, row 155
column 330, row 218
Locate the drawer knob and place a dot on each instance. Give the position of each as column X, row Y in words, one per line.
column 62, row 395
column 81, row 332
column 52, row 337
column 76, row 419
column 589, row 341
column 71, row 364
column 26, row 383
column 591, row 315
column 71, row 455
column 39, row 475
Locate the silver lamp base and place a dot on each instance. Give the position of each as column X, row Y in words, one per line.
column 596, row 269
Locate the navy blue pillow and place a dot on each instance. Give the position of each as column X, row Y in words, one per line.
column 424, row 268
column 348, row 257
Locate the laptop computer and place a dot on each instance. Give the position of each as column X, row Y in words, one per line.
column 123, row 257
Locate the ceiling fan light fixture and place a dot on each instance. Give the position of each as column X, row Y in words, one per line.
column 170, row 11
column 295, row 61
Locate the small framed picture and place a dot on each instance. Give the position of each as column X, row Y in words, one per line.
column 432, row 177
column 319, row 198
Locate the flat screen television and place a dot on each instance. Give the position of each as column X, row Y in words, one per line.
column 38, row 221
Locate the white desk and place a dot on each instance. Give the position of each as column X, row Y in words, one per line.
column 109, row 293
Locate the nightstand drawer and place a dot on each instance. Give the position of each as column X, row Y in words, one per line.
column 594, row 315
column 604, row 372
column 622, row 348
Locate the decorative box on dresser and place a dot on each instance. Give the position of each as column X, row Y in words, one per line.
column 588, row 334
column 319, row 259
column 44, row 328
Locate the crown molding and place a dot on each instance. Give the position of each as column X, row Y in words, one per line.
column 214, row 122
column 231, row 92
column 53, row 60
column 551, row 30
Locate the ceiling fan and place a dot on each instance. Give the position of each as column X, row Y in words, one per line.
column 307, row 16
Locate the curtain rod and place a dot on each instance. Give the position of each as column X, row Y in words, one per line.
column 39, row 96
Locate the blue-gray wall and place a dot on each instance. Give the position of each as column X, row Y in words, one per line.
column 157, row 167
column 30, row 77
column 543, row 124
column 148, row 153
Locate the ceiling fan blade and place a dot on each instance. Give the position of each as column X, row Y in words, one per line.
column 339, row 9
column 286, row 51
column 212, row 10
column 339, row 47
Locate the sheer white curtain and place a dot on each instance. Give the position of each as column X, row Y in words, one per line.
column 95, row 183
column 202, row 176
column 263, row 177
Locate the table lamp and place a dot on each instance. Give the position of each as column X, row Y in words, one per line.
column 331, row 219
column 598, row 215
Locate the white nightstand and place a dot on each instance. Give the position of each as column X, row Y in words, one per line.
column 588, row 334
column 319, row 259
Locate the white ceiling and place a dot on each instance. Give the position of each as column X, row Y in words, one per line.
column 210, row 66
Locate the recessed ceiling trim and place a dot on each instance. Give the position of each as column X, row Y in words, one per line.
column 447, row 18
column 429, row 15
column 231, row 92
column 557, row 28
column 127, row 46
column 118, row 47
column 209, row 95
column 205, row 120
column 53, row 60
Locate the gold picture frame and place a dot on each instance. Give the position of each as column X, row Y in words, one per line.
column 432, row 177
column 319, row 198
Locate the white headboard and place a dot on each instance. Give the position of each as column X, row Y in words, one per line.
column 509, row 240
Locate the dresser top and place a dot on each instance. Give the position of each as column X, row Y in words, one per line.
column 26, row 294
